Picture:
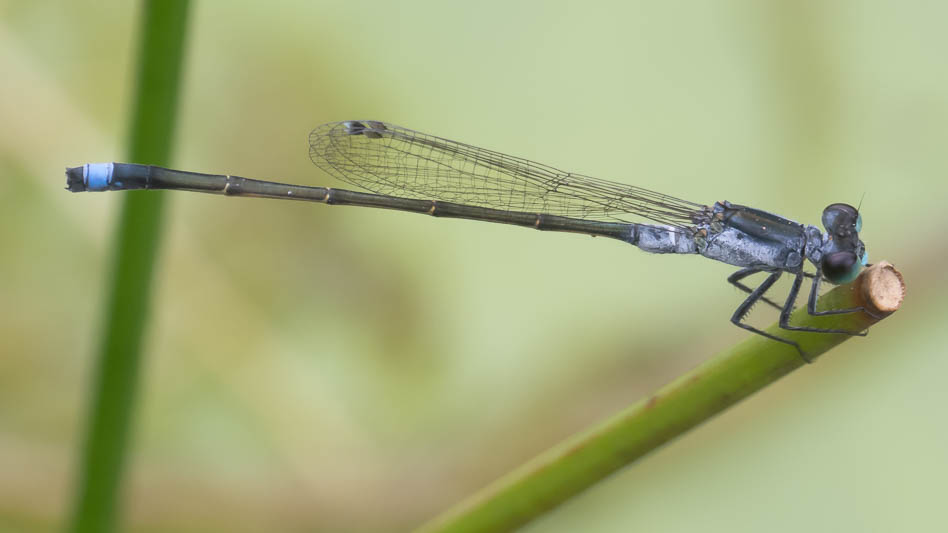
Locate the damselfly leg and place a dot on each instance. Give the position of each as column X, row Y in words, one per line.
column 758, row 294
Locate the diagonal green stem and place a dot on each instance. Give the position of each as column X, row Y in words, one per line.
column 566, row 470
column 138, row 232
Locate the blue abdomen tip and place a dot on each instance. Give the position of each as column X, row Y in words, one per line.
column 98, row 176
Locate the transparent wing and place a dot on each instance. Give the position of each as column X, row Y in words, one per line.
column 391, row 160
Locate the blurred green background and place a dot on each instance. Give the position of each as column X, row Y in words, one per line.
column 343, row 369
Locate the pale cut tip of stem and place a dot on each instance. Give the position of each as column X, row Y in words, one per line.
column 882, row 288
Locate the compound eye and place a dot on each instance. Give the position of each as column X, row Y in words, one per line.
column 840, row 218
column 841, row 267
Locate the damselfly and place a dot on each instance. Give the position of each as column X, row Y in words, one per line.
column 412, row 171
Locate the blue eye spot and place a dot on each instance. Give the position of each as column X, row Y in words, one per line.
column 858, row 223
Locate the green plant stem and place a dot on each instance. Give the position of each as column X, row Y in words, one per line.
column 114, row 390
column 724, row 380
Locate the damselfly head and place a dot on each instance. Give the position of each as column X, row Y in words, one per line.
column 844, row 254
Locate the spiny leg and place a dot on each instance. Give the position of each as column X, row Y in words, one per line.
column 756, row 295
column 811, row 307
column 735, row 279
column 815, row 293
